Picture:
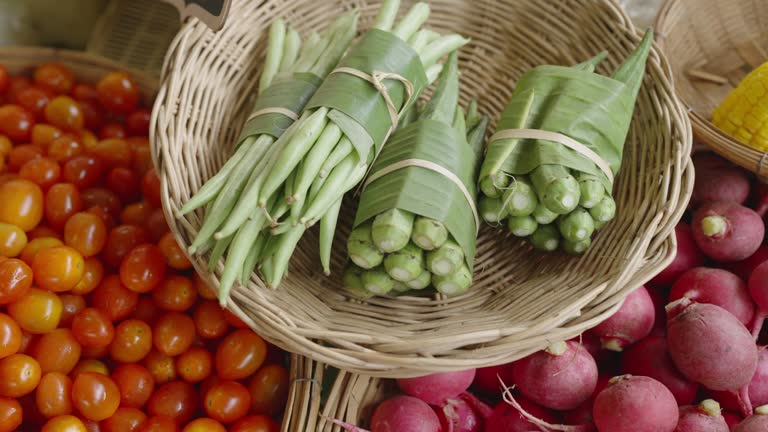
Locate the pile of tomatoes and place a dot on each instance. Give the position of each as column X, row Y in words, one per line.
column 104, row 326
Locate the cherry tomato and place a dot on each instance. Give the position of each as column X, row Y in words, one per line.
column 3, row 79
column 150, row 188
column 269, row 390
column 209, row 320
column 19, row 375
column 83, row 171
column 17, row 84
column 91, row 426
column 121, row 240
column 194, row 365
column 42, row 171
column 65, row 113
column 86, row 233
column 125, row 419
column 142, row 268
column 114, row 299
column 15, row 280
column 135, row 214
column 258, row 423
column 10, row 336
column 12, row 240
column 65, row 148
column 204, row 425
column 156, row 225
column 27, row 341
column 54, row 394
column 103, row 198
column 37, row 312
column 57, row 351
column 71, row 306
column 95, row 396
column 92, row 328
column 16, row 123
column 89, row 365
column 135, row 383
column 95, row 352
column 5, row 145
column 22, row 203
column 92, row 275
column 137, row 122
column 176, row 293
column 174, row 256
column 147, row 311
column 65, row 423
column 227, row 401
column 21, row 154
column 10, row 414
column 112, row 130
column 160, row 424
column 240, row 354
column 61, row 201
column 176, row 399
column 103, row 215
column 203, row 289
column 160, row 366
column 34, row 246
column 142, row 154
column 173, row 333
column 118, row 92
column 124, row 183
column 234, row 320
column 55, row 77
column 43, row 135
column 34, row 99
column 42, row 231
column 58, row 268
column 115, row 152
column 132, row 342
column 93, row 117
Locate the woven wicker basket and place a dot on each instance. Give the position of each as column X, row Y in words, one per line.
column 712, row 45
column 521, row 300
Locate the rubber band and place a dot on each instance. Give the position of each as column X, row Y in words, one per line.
column 560, row 139
column 273, row 110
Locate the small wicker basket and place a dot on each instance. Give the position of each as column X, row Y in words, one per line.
column 521, row 300
column 712, row 45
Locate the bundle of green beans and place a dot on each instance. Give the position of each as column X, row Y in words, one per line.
column 555, row 195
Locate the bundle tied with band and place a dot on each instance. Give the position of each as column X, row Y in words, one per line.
column 549, row 169
column 416, row 223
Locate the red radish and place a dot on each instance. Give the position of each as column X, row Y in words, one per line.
column 404, row 414
column 659, row 297
column 606, row 360
column 718, row 287
column 731, row 419
column 688, row 256
column 758, row 387
column 458, row 416
column 650, row 357
column 727, row 231
column 487, row 379
column 758, row 289
column 582, row 414
column 560, row 377
column 706, row 161
column 436, row 389
column 761, row 199
column 505, row 418
column 704, row 417
column 724, row 184
column 757, row 422
column 632, row 322
column 635, row 404
column 744, row 268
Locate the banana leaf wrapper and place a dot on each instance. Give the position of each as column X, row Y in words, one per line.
column 291, row 93
column 422, row 191
column 356, row 106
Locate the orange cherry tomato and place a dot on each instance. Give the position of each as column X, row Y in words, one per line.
column 10, row 414
column 89, row 365
column 58, row 268
column 22, row 154
column 125, row 420
column 54, row 394
column 173, row 333
column 118, row 92
column 209, row 320
column 115, row 152
column 257, row 423
column 103, row 198
column 71, row 305
column 83, row 171
column 65, row 113
column 92, row 328
column 86, row 233
column 36, row 245
column 65, row 148
column 12, row 240
column 37, row 312
column 43, row 135
column 5, row 145
column 22, row 203
column 121, row 240
column 240, row 354
column 10, row 336
column 16, row 123
column 42, row 231
column 160, row 424
column 19, row 375
column 15, row 280
column 92, row 275
column 160, row 366
column 137, row 122
column 203, row 289
column 124, row 183
column 34, row 99
column 227, row 401
column 95, row 396
column 114, row 299
column 269, row 390
column 204, row 425
column 147, row 311
column 135, row 383
column 65, row 423
column 42, row 171
column 54, row 77
column 142, row 268
column 132, row 342
column 156, row 225
column 61, row 201
column 57, row 351
column 176, row 293
column 174, row 256
column 194, row 365
column 136, row 213
column 176, row 399
column 150, row 188
column 112, row 130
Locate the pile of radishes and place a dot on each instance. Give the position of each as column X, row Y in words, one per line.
column 681, row 355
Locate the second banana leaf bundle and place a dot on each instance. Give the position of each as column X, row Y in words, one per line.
column 550, row 167
column 416, row 223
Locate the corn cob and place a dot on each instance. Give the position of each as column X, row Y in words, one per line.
column 744, row 113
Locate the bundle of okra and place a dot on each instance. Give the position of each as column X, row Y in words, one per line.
column 416, row 223
column 550, row 167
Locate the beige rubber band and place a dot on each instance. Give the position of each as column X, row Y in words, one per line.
column 558, row 138
column 273, row 110
column 432, row 167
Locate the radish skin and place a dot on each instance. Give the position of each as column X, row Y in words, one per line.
column 744, row 268
column 659, row 297
column 457, row 415
column 688, row 256
column 635, row 404
column 436, row 389
column 758, row 387
column 487, row 379
column 731, row 419
column 718, row 287
column 727, row 231
column 505, row 418
column 704, row 417
column 758, row 289
column 404, row 414
column 632, row 322
column 650, row 357
column 725, row 184
column 761, row 200
column 757, row 422
column 582, row 414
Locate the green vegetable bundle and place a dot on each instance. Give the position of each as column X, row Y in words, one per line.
column 550, row 167
column 416, row 223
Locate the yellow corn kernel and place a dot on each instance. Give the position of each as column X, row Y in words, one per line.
column 744, row 113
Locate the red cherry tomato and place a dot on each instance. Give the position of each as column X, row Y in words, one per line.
column 55, row 77
column 104, row 198
column 124, row 183
column 42, row 171
column 125, row 419
column 84, row 92
column 160, row 424
column 21, row 154
column 194, row 365
column 65, row 113
column 173, row 333
column 121, row 240
column 92, row 328
column 36, row 245
column 156, row 225
column 93, row 116
column 227, row 401
column 15, row 280
column 176, row 399
column 204, row 425
column 136, row 214
column 86, row 233
column 118, row 92
column 160, row 366
column 137, row 122
column 16, row 123
column 258, row 423
column 3, row 79
column 147, row 311
column 34, row 100
column 143, row 268
column 19, row 375
column 83, row 171
column 10, row 336
column 114, row 152
column 114, row 299
column 57, row 351
column 135, row 383
column 10, row 414
column 176, row 293
column 112, row 130
column 150, row 187
column 132, row 342
column 65, row 148
column 71, row 305
column 95, row 396
column 269, row 390
column 209, row 320
column 174, row 255
column 92, row 276
column 17, row 84
column 54, row 394
column 240, row 354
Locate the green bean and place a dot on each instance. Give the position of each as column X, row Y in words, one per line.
column 414, row 19
column 327, row 230
column 286, row 245
column 441, row 47
column 290, row 50
column 253, row 258
column 218, row 252
column 238, row 252
column 274, row 53
column 341, row 151
column 387, row 14
column 330, row 191
column 314, row 161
